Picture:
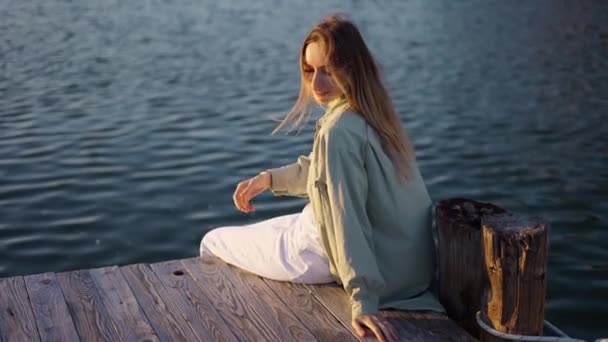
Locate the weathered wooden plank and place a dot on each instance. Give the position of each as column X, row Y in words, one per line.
column 335, row 300
column 89, row 315
column 130, row 321
column 50, row 309
column 321, row 323
column 16, row 318
column 266, row 303
column 192, row 303
column 227, row 298
column 426, row 326
column 177, row 299
column 412, row 326
column 161, row 311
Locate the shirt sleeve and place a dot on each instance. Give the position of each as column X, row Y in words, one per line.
column 291, row 179
column 351, row 236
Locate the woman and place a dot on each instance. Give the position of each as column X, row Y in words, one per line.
column 368, row 223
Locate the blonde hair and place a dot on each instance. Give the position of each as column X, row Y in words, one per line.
column 356, row 73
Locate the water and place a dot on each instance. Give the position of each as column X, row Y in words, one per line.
column 125, row 126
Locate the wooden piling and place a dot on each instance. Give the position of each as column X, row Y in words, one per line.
column 515, row 261
column 461, row 271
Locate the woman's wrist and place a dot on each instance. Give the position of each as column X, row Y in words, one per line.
column 267, row 177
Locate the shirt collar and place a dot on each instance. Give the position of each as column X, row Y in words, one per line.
column 331, row 108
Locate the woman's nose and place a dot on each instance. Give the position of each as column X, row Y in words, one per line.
column 318, row 83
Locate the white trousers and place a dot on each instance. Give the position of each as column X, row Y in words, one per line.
column 284, row 248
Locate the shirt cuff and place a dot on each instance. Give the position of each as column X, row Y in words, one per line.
column 278, row 180
column 364, row 307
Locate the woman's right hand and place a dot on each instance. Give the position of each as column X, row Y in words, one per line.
column 248, row 189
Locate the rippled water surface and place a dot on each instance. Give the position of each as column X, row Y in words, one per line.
column 125, row 125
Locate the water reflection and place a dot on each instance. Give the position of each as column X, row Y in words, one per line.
column 124, row 127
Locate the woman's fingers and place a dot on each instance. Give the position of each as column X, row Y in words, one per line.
column 245, row 197
column 377, row 331
column 358, row 328
column 242, row 195
column 380, row 327
column 236, row 196
column 245, row 191
column 239, row 196
column 370, row 323
column 389, row 332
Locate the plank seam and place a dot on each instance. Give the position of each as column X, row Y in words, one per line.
column 271, row 291
column 203, row 293
column 270, row 328
column 161, row 298
column 348, row 328
column 67, row 306
column 139, row 305
column 102, row 302
column 29, row 302
column 103, row 299
column 287, row 305
column 95, row 294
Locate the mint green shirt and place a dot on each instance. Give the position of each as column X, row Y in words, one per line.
column 376, row 231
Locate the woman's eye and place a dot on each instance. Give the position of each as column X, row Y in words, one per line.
column 327, row 71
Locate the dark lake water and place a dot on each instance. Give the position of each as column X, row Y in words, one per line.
column 126, row 125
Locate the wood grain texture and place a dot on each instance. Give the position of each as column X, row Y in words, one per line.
column 426, row 326
column 461, row 272
column 227, row 298
column 131, row 323
column 197, row 299
column 17, row 321
column 333, row 297
column 411, row 325
column 50, row 310
column 158, row 306
column 192, row 302
column 319, row 321
column 89, row 315
column 270, row 307
column 515, row 256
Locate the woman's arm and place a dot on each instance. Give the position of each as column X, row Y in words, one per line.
column 291, row 179
column 349, row 231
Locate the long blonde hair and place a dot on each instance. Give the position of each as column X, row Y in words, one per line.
column 355, row 71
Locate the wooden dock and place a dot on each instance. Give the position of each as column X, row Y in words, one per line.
column 196, row 299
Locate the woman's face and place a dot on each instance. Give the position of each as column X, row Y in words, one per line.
column 324, row 88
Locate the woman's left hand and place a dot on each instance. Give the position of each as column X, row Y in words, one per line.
column 380, row 326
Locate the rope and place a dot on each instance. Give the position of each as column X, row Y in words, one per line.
column 515, row 337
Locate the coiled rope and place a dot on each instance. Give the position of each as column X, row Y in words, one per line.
column 515, row 337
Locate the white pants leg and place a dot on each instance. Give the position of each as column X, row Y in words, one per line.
column 285, row 248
